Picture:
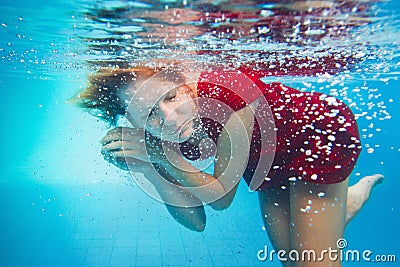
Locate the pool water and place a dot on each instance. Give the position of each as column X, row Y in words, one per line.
column 62, row 204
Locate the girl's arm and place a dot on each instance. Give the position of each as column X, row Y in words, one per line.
column 218, row 189
column 190, row 211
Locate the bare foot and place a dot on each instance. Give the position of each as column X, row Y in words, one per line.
column 359, row 193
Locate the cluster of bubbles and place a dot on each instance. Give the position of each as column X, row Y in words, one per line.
column 133, row 30
column 33, row 49
column 239, row 32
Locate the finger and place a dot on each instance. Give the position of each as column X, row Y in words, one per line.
column 117, row 145
column 127, row 154
column 135, row 161
column 119, row 134
column 115, row 130
column 125, row 130
column 111, row 137
column 117, row 154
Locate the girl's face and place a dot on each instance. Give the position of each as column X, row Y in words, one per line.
column 165, row 108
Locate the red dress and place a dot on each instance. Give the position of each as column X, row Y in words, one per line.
column 314, row 136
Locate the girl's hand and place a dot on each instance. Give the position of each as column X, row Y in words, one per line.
column 128, row 164
column 122, row 143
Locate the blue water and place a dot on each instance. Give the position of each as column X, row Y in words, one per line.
column 61, row 204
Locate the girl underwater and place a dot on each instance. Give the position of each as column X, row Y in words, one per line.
column 296, row 149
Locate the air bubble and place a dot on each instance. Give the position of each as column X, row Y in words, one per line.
column 331, row 138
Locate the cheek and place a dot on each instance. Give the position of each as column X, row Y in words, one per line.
column 190, row 108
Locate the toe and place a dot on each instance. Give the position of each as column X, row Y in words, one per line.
column 379, row 178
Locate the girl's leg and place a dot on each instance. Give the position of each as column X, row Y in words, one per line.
column 275, row 208
column 359, row 193
column 317, row 215
column 275, row 211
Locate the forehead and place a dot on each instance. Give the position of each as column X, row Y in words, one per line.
column 146, row 92
column 148, row 88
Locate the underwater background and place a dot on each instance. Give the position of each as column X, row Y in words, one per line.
column 62, row 204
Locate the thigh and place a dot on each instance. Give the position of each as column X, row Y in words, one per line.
column 275, row 212
column 317, row 217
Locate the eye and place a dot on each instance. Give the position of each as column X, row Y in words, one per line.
column 171, row 95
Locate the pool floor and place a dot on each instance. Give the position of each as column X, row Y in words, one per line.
column 117, row 225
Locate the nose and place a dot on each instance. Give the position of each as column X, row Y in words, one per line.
column 169, row 114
